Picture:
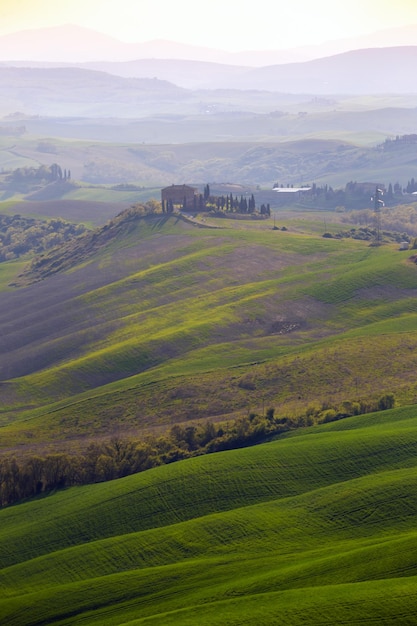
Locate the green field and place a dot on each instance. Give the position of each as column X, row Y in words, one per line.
column 149, row 321
column 317, row 527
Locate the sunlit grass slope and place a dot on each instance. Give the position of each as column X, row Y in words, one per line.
column 232, row 318
column 317, row 527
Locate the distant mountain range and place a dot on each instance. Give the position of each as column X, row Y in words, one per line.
column 71, row 91
column 374, row 70
column 60, row 90
column 57, row 44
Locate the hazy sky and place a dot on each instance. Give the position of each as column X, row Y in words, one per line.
column 232, row 25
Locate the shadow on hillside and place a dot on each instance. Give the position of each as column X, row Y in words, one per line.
column 161, row 221
column 7, row 194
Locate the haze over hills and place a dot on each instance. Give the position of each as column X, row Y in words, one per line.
column 77, row 92
column 357, row 71
column 354, row 72
column 156, row 164
column 162, row 336
column 168, row 333
column 57, row 44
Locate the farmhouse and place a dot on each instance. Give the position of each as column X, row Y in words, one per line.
column 298, row 191
column 178, row 195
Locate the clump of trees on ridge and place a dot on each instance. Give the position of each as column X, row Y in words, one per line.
column 21, row 235
column 206, row 201
column 42, row 173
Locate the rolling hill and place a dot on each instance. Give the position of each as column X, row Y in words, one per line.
column 349, row 72
column 316, row 527
column 155, row 320
column 152, row 320
column 123, row 90
column 154, row 324
column 353, row 72
column 325, row 157
column 110, row 129
column 78, row 92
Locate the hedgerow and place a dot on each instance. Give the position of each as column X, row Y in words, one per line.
column 22, row 478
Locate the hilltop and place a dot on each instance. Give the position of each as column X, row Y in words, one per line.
column 151, row 320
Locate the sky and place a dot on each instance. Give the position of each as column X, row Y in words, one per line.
column 231, row 25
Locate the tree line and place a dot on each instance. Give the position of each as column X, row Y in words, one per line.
column 353, row 195
column 37, row 174
column 22, row 478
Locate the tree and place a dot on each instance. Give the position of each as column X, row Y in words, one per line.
column 386, row 402
column 10, row 491
column 55, row 470
column 34, row 472
column 243, row 205
column 270, row 414
column 207, row 433
column 56, row 171
column 151, row 206
column 251, row 204
column 122, row 454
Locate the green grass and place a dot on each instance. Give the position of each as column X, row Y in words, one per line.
column 315, row 527
column 167, row 322
column 106, row 194
column 172, row 307
column 9, row 272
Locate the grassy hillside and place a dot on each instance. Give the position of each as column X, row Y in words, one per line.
column 321, row 143
column 316, row 527
column 154, row 320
